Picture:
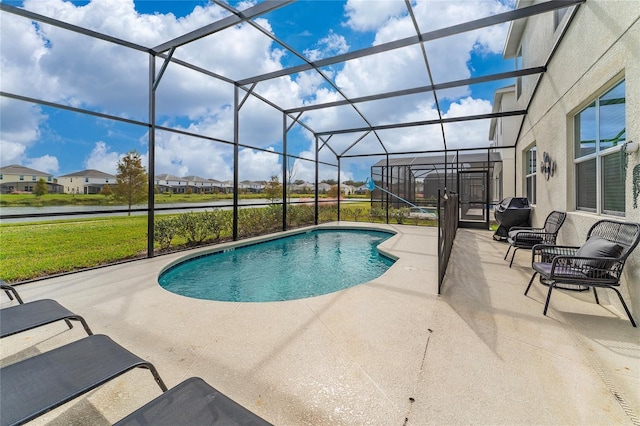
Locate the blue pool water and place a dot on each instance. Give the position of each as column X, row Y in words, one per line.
column 293, row 267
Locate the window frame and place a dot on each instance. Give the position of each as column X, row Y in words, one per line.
column 598, row 155
column 530, row 175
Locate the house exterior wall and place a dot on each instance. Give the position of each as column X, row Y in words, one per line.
column 26, row 182
column 504, row 134
column 599, row 49
column 84, row 185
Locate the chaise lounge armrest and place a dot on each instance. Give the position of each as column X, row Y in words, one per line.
column 11, row 291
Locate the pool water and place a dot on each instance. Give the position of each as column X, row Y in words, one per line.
column 294, row 267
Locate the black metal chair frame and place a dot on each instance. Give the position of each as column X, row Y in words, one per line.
column 526, row 237
column 10, row 291
column 559, row 265
column 30, row 315
column 39, row 384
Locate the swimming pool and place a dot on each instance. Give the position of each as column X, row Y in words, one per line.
column 287, row 268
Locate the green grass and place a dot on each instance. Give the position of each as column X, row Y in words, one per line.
column 31, row 250
column 36, row 249
column 30, row 200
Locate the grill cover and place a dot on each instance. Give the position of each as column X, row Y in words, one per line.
column 512, row 211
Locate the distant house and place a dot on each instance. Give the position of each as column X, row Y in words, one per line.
column 252, row 186
column 198, row 184
column 17, row 178
column 170, row 183
column 89, row 181
column 347, row 189
column 303, row 188
column 362, row 190
column 324, row 187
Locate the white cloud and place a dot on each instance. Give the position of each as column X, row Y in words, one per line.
column 11, row 152
column 366, row 15
column 19, row 129
column 186, row 156
column 103, row 159
column 331, row 45
column 46, row 163
column 60, row 66
column 258, row 165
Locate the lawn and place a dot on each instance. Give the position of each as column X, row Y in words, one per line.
column 37, row 249
column 32, row 250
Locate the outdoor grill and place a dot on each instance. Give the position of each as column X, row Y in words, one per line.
column 512, row 211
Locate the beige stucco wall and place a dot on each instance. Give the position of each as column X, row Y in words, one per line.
column 600, row 48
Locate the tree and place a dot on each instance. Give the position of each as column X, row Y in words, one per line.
column 273, row 189
column 106, row 190
column 41, row 188
column 132, row 180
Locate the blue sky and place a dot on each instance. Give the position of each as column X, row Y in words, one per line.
column 62, row 67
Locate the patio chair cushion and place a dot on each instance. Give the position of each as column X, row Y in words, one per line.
column 192, row 402
column 544, row 269
column 599, row 247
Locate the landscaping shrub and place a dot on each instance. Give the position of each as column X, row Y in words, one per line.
column 164, row 231
column 193, row 227
column 399, row 214
column 377, row 213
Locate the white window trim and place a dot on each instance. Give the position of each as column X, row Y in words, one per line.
column 532, row 175
column 598, row 155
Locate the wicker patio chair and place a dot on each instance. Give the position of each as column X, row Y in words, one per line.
column 597, row 263
column 525, row 238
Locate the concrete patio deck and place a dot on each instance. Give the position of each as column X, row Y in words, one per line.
column 388, row 352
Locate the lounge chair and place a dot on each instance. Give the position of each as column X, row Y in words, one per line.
column 597, row 263
column 192, row 402
column 39, row 384
column 525, row 237
column 26, row 316
column 10, row 291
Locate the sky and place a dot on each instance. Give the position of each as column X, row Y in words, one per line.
column 59, row 66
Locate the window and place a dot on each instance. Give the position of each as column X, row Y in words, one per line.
column 21, row 177
column 33, row 178
column 600, row 133
column 530, row 176
column 86, row 180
